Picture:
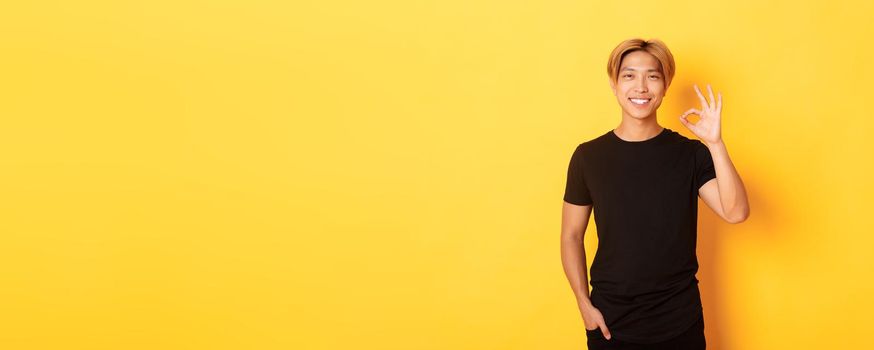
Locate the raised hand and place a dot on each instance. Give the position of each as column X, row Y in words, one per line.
column 708, row 126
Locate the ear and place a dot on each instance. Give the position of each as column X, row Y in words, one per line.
column 613, row 86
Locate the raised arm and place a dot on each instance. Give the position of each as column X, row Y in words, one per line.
column 725, row 194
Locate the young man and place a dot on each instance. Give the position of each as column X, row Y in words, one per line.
column 643, row 181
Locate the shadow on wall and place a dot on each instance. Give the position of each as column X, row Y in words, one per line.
column 713, row 286
column 711, row 230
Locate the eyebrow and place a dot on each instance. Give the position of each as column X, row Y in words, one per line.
column 648, row 70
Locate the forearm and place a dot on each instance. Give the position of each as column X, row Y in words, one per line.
column 732, row 194
column 573, row 259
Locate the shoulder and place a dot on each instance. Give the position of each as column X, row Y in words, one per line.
column 587, row 147
column 679, row 138
column 695, row 148
column 595, row 143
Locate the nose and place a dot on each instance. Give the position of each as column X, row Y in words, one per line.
column 641, row 86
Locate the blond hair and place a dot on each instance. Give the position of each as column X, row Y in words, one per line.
column 655, row 47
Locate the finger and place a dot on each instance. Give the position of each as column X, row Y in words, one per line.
column 712, row 99
column 719, row 104
column 605, row 331
column 701, row 98
column 687, row 123
column 692, row 111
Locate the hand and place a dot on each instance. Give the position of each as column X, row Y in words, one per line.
column 708, row 127
column 592, row 318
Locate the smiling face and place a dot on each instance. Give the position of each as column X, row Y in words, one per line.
column 640, row 86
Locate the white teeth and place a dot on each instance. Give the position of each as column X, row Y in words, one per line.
column 639, row 101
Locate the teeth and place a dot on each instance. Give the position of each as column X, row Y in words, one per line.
column 639, row 101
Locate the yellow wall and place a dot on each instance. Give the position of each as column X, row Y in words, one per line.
column 389, row 174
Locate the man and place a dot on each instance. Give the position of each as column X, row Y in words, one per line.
column 643, row 182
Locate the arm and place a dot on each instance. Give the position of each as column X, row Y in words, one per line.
column 574, row 221
column 725, row 194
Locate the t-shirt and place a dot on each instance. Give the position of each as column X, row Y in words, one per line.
column 644, row 195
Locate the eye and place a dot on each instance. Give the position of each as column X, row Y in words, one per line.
column 626, row 75
column 654, row 76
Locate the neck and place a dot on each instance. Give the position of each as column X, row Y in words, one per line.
column 633, row 129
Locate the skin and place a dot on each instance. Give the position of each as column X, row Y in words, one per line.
column 640, row 76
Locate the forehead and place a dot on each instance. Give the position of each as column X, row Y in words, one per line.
column 640, row 61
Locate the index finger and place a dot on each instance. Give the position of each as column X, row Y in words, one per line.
column 704, row 104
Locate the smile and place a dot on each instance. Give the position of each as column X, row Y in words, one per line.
column 640, row 101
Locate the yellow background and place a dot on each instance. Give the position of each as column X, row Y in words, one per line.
column 389, row 174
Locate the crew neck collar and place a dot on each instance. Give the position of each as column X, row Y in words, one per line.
column 661, row 134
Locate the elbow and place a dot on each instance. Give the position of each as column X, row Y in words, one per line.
column 738, row 218
column 572, row 236
column 735, row 220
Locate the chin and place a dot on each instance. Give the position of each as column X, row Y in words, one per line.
column 638, row 114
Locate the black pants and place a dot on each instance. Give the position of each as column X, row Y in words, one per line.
column 692, row 339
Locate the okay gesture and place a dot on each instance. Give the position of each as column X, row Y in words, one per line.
column 707, row 127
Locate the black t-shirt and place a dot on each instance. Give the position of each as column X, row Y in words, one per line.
column 644, row 195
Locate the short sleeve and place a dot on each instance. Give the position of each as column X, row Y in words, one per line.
column 704, row 170
column 576, row 191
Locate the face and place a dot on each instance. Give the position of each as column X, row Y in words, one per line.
column 640, row 80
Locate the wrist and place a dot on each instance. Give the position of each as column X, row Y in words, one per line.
column 712, row 145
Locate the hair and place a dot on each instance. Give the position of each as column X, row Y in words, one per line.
column 654, row 47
